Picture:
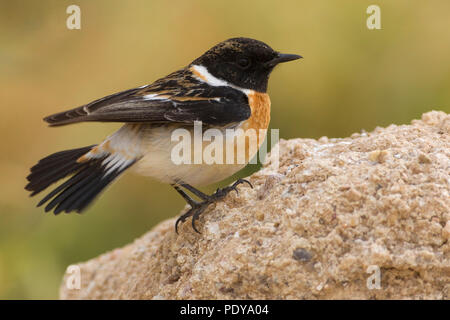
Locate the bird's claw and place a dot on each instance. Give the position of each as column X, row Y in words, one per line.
column 240, row 181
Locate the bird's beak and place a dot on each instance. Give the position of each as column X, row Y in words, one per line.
column 282, row 57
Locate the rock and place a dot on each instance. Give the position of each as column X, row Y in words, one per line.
column 301, row 254
column 335, row 216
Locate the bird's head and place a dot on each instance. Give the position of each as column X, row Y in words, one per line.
column 242, row 62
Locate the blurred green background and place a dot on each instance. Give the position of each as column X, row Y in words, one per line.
column 351, row 78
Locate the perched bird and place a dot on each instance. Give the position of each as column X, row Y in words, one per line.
column 224, row 88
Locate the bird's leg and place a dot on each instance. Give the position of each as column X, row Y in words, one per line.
column 195, row 191
column 185, row 196
column 197, row 208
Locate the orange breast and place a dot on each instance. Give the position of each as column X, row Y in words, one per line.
column 259, row 119
column 260, row 107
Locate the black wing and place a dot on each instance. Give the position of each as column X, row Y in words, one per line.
column 179, row 97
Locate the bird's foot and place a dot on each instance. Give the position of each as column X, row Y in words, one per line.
column 197, row 208
column 221, row 193
column 195, row 211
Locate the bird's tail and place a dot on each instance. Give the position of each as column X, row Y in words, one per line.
column 90, row 171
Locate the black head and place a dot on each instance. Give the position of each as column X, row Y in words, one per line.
column 243, row 62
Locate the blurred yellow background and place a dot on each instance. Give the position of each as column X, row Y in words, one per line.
column 351, row 78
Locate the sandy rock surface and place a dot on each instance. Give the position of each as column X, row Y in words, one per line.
column 335, row 217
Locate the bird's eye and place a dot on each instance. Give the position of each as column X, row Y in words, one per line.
column 243, row 63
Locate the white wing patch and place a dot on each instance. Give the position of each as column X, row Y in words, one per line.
column 154, row 96
column 85, row 108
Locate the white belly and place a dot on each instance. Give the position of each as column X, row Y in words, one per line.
column 157, row 161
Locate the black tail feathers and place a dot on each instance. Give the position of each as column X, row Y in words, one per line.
column 87, row 179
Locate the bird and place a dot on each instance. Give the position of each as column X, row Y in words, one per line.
column 223, row 89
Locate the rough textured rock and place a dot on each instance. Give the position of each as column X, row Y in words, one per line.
column 308, row 230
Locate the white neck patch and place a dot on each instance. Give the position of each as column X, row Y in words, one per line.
column 202, row 74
